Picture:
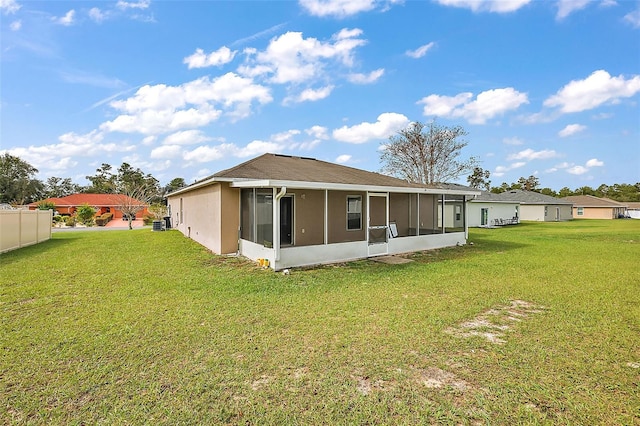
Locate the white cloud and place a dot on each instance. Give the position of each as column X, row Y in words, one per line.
column 501, row 170
column 204, row 154
column 186, row 137
column 9, row 6
column 633, row 18
column 577, row 170
column 97, row 15
column 285, row 136
column 337, row 8
column 199, row 59
column 344, row 158
column 290, row 58
column 66, row 20
column 529, row 154
column 15, row 25
column 497, row 6
column 594, row 162
column 567, row 7
column 166, row 151
column 487, row 105
column 149, row 140
column 597, row 89
column 373, row 76
column 142, row 4
column 70, row 145
column 310, row 95
column 513, row 141
column 160, row 108
column 318, row 132
column 387, row 124
column 571, row 129
column 420, row 51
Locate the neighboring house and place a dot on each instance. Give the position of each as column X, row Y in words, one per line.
column 633, row 210
column 488, row 209
column 590, row 207
column 296, row 211
column 538, row 207
column 103, row 203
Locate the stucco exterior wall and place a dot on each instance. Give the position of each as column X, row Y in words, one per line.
column 337, row 208
column 209, row 216
column 595, row 213
column 308, row 214
column 495, row 211
column 546, row 213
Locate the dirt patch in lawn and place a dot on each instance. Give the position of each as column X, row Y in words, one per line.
column 494, row 323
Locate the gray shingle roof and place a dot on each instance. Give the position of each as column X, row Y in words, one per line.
column 529, row 197
column 492, row 197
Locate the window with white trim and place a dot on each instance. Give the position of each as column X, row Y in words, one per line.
column 354, row 213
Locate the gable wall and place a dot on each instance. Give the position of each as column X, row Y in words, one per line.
column 209, row 216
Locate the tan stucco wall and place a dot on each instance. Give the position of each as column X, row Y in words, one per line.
column 399, row 212
column 209, row 216
column 338, row 217
column 308, row 214
column 595, row 213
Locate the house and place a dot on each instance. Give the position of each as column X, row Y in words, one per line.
column 103, row 203
column 590, row 207
column 538, row 207
column 633, row 209
column 489, row 209
column 296, row 211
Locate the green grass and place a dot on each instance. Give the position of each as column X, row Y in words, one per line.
column 131, row 327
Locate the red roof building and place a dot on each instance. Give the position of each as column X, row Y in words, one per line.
column 103, row 203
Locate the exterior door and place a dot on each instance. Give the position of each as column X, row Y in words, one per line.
column 286, row 221
column 484, row 217
column 378, row 231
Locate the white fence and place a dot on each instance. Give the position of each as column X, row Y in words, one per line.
column 20, row 228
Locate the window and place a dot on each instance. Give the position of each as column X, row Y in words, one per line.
column 256, row 216
column 580, row 211
column 546, row 210
column 354, row 213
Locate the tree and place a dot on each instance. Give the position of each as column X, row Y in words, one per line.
column 174, row 185
column 134, row 190
column 529, row 184
column 548, row 191
column 479, row 179
column 85, row 214
column 56, row 187
column 426, row 154
column 565, row 192
column 17, row 181
column 103, row 182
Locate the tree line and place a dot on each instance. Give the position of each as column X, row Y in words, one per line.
column 19, row 186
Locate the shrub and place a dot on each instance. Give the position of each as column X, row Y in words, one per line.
column 103, row 219
column 46, row 205
column 70, row 220
column 148, row 219
column 85, row 214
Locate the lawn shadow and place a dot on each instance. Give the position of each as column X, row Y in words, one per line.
column 51, row 245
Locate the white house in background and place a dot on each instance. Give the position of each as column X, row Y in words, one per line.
column 633, row 209
column 538, row 207
column 488, row 209
column 296, row 211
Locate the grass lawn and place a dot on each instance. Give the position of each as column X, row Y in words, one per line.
column 535, row 324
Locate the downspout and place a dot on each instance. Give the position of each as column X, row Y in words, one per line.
column 276, row 227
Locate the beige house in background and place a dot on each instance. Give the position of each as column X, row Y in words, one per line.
column 538, row 207
column 590, row 207
column 297, row 211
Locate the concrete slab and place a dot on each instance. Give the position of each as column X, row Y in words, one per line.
column 392, row 260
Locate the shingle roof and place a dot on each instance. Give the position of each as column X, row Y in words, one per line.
column 91, row 199
column 305, row 169
column 591, row 201
column 529, row 197
column 492, row 197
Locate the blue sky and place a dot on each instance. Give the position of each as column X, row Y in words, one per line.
column 185, row 89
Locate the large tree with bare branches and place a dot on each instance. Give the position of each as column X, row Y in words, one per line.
column 426, row 154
